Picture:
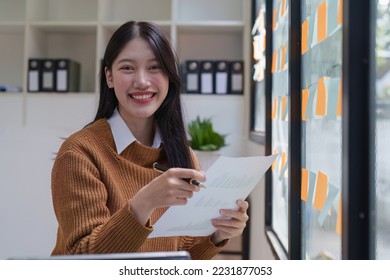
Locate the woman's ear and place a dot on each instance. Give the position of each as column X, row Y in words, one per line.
column 109, row 80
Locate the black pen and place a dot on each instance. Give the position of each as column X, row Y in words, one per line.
column 161, row 168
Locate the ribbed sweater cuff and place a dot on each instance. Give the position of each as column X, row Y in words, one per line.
column 125, row 233
column 206, row 250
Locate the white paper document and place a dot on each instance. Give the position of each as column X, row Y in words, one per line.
column 228, row 179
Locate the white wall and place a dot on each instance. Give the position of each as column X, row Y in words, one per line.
column 29, row 138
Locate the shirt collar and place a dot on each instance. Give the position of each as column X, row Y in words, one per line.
column 122, row 134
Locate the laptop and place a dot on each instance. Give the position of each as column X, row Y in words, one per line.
column 172, row 255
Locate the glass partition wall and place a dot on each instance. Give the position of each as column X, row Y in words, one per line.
column 321, row 64
column 327, row 88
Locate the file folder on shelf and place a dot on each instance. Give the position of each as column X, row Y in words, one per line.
column 190, row 76
column 47, row 77
column 236, row 81
column 67, row 75
column 206, row 77
column 34, row 70
column 221, row 77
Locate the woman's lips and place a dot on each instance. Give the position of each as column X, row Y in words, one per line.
column 142, row 97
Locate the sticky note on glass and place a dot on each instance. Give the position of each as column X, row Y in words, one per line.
column 274, row 108
column 340, row 13
column 274, row 61
column 283, row 8
column 305, row 36
column 273, row 166
column 321, row 98
column 312, row 182
column 333, row 191
column 321, row 190
column 283, row 60
column 275, row 19
column 332, row 16
column 304, row 184
column 339, row 111
column 322, row 32
column 339, row 221
column 305, row 99
column 283, row 165
column 313, row 30
column 284, row 108
column 332, row 86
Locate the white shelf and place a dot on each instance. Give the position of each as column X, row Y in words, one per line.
column 80, row 30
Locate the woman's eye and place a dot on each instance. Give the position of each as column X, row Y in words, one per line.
column 127, row 68
column 155, row 67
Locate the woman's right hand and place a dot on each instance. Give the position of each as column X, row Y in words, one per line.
column 165, row 190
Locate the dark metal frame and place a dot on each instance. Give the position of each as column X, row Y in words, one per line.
column 358, row 129
column 295, row 133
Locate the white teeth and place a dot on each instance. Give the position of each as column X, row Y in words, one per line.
column 142, row 97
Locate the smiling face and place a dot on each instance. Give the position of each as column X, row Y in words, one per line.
column 139, row 83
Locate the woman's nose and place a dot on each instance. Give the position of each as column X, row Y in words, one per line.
column 141, row 80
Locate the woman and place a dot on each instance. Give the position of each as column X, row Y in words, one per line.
column 105, row 192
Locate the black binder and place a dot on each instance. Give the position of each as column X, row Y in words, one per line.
column 67, row 75
column 190, row 76
column 221, row 77
column 206, row 76
column 34, row 72
column 47, row 75
column 236, row 79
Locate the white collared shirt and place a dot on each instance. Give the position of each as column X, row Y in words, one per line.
column 122, row 134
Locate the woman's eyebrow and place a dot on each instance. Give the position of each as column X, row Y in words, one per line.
column 123, row 60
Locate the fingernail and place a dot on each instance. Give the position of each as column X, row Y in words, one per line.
column 239, row 202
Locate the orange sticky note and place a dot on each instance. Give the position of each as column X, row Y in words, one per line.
column 283, row 57
column 305, row 36
column 321, row 98
column 274, row 108
column 321, row 191
column 283, row 113
column 339, row 111
column 275, row 19
column 283, row 8
column 339, row 221
column 284, row 159
column 305, row 99
column 340, row 13
column 322, row 22
column 274, row 61
column 275, row 161
column 304, row 184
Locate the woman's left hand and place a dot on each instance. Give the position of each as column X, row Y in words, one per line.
column 232, row 224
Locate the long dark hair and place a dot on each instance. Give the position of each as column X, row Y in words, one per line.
column 168, row 117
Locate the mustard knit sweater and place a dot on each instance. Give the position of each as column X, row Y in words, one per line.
column 91, row 188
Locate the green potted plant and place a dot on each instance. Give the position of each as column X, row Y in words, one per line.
column 205, row 141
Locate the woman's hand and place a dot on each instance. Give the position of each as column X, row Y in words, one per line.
column 165, row 190
column 232, row 224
